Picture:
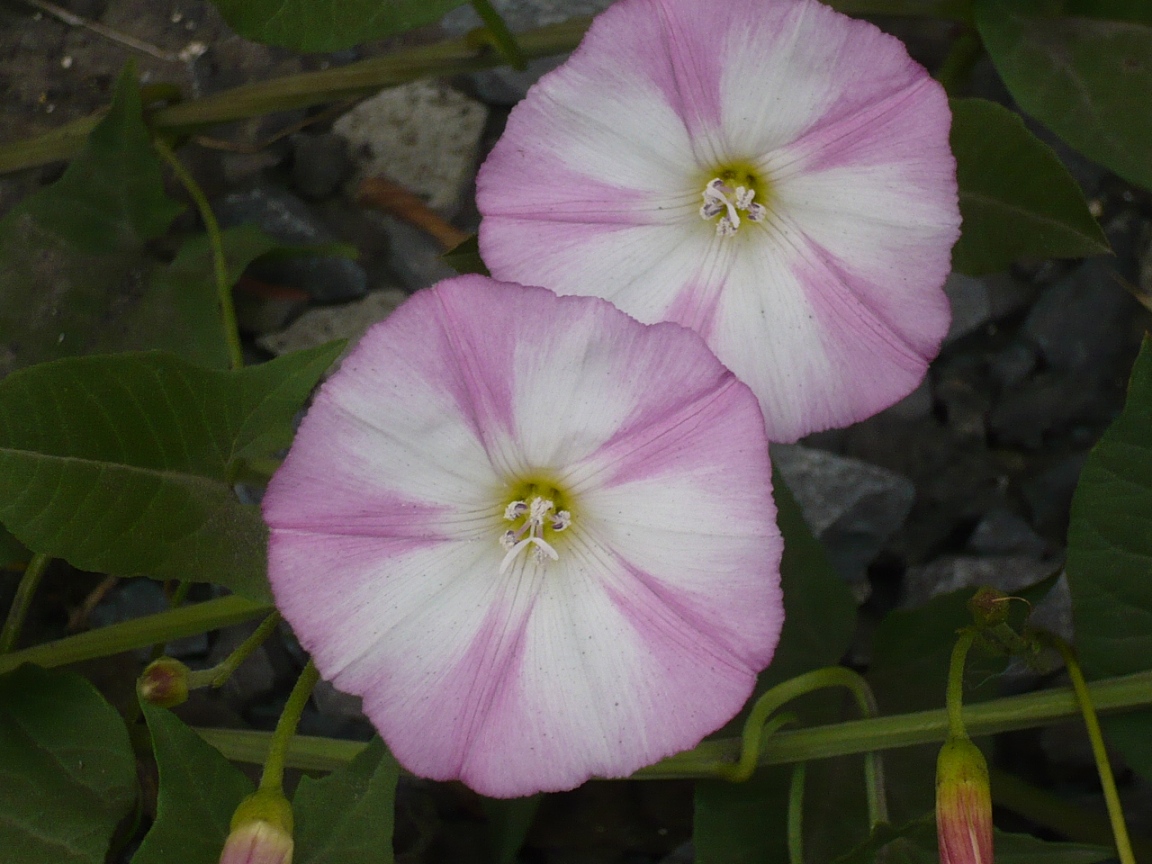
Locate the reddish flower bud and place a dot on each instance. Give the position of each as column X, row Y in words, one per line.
column 963, row 804
column 164, row 683
column 989, row 607
column 261, row 831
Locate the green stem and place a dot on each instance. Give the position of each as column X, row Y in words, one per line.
column 956, row 69
column 25, row 591
column 223, row 671
column 1099, row 753
column 219, row 264
column 219, row 674
column 366, row 77
column 138, row 633
column 272, row 780
column 796, row 813
column 954, row 701
column 781, row 748
column 501, row 36
column 833, row 676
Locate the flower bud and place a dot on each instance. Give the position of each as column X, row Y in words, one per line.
column 164, row 683
column 963, row 804
column 989, row 607
column 261, row 831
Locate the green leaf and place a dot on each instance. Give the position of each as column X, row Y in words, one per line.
column 12, row 551
column 1110, row 556
column 199, row 790
column 464, row 257
column 746, row 822
column 509, row 820
column 328, row 25
column 122, row 464
column 1086, row 79
column 916, row 842
column 179, row 312
column 67, row 772
column 65, row 251
column 1016, row 197
column 1139, row 11
column 348, row 816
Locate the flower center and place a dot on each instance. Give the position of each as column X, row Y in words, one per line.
column 728, row 202
column 729, row 197
column 538, row 517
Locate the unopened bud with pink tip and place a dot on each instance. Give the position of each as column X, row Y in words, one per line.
column 261, row 831
column 963, row 804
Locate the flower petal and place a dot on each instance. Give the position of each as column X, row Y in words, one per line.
column 386, row 520
column 850, row 139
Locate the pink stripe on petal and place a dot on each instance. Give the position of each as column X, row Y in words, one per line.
column 594, row 679
column 685, row 435
column 910, row 125
column 547, row 188
column 741, row 637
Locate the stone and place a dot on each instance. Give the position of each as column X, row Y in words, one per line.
column 279, row 213
column 976, row 302
column 507, row 86
column 853, row 507
column 255, row 677
column 350, row 321
column 1084, row 321
column 917, row 405
column 424, row 136
column 971, row 305
column 1049, row 493
column 1002, row 532
column 415, row 259
column 320, row 164
column 1011, row 365
column 336, row 703
column 954, row 572
column 135, row 598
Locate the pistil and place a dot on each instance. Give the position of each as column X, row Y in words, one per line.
column 538, row 514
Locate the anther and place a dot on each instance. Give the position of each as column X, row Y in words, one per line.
column 720, row 198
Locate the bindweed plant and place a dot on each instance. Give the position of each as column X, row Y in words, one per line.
column 531, row 518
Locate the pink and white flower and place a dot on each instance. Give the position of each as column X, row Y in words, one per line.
column 770, row 173
column 536, row 536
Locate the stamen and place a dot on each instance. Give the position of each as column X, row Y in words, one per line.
column 720, row 198
column 536, row 515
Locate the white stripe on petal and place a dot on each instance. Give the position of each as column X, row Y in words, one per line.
column 597, row 692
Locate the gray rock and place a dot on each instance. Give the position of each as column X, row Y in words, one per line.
column 327, row 279
column 971, row 305
column 349, row 321
column 507, row 86
column 415, row 258
column 134, row 598
column 1044, row 406
column 1002, row 532
column 852, row 506
column 336, row 703
column 1011, row 365
column 320, row 163
column 976, row 302
column 966, row 405
column 1049, row 493
column 255, row 677
column 916, row 405
column 953, row 572
column 1079, row 323
column 424, row 136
